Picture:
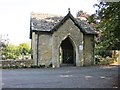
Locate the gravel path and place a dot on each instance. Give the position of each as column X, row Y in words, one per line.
column 64, row 77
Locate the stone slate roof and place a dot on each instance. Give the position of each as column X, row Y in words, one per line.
column 49, row 23
column 44, row 22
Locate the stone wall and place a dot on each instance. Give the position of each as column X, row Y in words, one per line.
column 34, row 48
column 45, row 49
column 68, row 29
column 88, row 50
column 49, row 45
column 19, row 63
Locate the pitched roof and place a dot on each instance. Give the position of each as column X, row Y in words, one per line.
column 44, row 22
column 50, row 23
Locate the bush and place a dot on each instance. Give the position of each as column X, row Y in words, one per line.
column 104, row 53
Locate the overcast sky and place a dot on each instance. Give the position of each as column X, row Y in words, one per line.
column 15, row 14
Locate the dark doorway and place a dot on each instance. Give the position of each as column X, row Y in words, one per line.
column 67, row 52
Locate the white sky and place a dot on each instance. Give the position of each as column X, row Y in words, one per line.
column 15, row 14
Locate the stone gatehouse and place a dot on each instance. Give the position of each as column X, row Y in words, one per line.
column 57, row 40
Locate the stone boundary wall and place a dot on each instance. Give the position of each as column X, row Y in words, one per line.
column 20, row 63
column 29, row 62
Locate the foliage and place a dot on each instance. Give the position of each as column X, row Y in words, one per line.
column 106, row 20
column 24, row 48
column 104, row 53
column 13, row 52
column 91, row 19
column 3, row 44
column 108, row 14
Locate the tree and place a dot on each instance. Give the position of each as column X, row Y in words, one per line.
column 3, row 43
column 108, row 13
column 24, row 48
column 11, row 52
column 14, row 52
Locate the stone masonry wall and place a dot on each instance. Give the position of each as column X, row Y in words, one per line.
column 34, row 48
column 88, row 50
column 7, row 63
column 67, row 29
column 45, row 49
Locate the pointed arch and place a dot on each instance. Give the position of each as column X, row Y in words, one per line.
column 67, row 51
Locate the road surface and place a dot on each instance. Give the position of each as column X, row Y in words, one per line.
column 63, row 77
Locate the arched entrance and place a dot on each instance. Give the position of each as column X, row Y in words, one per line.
column 67, row 52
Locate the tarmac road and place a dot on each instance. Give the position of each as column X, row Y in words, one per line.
column 63, row 77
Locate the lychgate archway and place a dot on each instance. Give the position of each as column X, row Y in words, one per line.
column 67, row 52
